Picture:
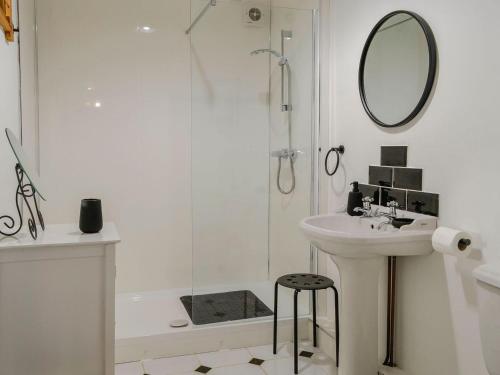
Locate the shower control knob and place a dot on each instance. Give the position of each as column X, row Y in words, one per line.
column 394, row 204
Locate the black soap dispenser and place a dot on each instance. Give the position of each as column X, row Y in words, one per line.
column 355, row 200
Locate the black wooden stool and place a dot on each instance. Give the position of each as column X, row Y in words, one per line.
column 300, row 282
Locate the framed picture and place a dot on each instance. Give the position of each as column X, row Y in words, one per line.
column 6, row 19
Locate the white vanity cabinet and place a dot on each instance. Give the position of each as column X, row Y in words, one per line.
column 57, row 302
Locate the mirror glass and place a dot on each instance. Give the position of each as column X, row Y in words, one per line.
column 17, row 148
column 397, row 69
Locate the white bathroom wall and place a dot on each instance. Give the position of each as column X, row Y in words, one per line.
column 115, row 124
column 455, row 142
column 10, row 118
column 29, row 80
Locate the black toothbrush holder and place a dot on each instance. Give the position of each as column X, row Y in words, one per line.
column 91, row 216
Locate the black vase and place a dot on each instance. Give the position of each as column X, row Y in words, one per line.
column 91, row 216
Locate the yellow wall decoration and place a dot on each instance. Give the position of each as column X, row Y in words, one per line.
column 6, row 19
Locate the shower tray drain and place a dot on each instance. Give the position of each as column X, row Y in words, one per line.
column 179, row 323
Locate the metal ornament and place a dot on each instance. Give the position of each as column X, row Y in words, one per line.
column 25, row 193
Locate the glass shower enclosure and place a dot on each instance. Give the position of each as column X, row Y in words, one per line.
column 254, row 117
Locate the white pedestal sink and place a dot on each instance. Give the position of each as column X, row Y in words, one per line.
column 359, row 248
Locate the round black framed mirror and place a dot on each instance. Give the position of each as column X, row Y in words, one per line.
column 398, row 68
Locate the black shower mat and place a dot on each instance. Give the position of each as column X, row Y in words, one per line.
column 224, row 307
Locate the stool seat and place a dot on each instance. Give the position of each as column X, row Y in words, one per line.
column 305, row 281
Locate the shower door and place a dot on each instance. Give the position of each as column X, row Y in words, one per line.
column 245, row 231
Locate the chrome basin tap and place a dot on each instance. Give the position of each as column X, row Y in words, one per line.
column 367, row 209
column 393, row 210
column 369, row 212
column 391, row 215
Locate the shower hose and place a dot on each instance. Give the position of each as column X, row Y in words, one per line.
column 292, row 169
column 290, row 155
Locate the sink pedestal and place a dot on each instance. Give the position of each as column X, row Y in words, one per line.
column 359, row 246
column 359, row 289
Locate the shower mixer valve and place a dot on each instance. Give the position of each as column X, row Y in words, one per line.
column 286, row 153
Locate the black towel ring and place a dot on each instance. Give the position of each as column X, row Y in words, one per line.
column 338, row 151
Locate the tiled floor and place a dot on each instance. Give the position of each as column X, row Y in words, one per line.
column 249, row 361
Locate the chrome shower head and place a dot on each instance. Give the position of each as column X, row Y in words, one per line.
column 283, row 59
column 266, row 50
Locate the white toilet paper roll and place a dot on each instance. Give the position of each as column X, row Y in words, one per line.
column 452, row 242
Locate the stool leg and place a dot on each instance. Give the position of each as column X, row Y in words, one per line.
column 295, row 334
column 275, row 328
column 337, row 329
column 315, row 340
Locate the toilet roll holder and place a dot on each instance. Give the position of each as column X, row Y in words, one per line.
column 457, row 244
column 464, row 243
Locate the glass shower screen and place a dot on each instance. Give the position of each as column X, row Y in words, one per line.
column 245, row 230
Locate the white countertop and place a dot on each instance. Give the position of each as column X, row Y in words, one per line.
column 61, row 235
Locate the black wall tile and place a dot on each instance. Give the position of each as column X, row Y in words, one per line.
column 388, row 195
column 381, row 176
column 370, row 191
column 408, row 178
column 423, row 203
column 394, row 156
